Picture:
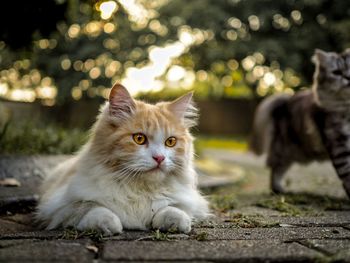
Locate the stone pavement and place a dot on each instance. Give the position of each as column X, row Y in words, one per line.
column 250, row 225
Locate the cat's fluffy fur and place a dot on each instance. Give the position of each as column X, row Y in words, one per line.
column 311, row 125
column 113, row 183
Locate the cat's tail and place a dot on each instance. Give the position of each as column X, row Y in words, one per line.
column 263, row 123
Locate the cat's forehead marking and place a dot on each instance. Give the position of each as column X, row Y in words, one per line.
column 340, row 62
column 336, row 62
column 333, row 63
column 158, row 137
column 152, row 118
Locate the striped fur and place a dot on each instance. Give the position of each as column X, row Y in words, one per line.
column 337, row 141
column 311, row 125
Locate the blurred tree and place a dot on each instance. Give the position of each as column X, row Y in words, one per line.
column 24, row 18
column 234, row 45
column 82, row 55
column 286, row 32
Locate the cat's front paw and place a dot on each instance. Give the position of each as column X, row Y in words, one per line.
column 172, row 218
column 101, row 219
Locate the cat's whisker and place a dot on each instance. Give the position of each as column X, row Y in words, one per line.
column 128, row 173
column 129, row 178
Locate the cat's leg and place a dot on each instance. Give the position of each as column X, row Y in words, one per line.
column 340, row 157
column 102, row 219
column 83, row 215
column 172, row 218
column 337, row 141
column 277, row 161
column 346, row 184
column 277, row 173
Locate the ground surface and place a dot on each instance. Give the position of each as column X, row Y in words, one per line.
column 311, row 223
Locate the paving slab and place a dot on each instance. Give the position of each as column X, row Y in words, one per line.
column 328, row 246
column 276, row 233
column 25, row 219
column 46, row 251
column 331, row 218
column 37, row 234
column 8, row 227
column 226, row 250
column 29, row 172
column 315, row 177
column 325, row 219
column 246, row 234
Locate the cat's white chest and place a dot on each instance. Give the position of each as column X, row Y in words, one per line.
column 136, row 212
column 135, row 206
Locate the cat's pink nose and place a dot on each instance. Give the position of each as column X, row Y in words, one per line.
column 159, row 158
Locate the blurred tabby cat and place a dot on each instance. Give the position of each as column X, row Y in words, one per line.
column 135, row 172
column 311, row 125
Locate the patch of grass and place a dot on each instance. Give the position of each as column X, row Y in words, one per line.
column 204, row 142
column 321, row 202
column 249, row 221
column 202, row 236
column 280, row 204
column 73, row 234
column 223, row 203
column 157, row 235
column 29, row 138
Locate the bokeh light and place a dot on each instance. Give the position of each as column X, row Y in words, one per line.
column 107, row 9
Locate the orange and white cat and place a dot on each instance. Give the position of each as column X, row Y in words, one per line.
column 135, row 172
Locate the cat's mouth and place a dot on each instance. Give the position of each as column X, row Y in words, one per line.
column 155, row 169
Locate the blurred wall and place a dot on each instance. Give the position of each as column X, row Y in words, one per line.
column 227, row 117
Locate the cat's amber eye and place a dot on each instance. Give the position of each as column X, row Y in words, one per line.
column 170, row 142
column 139, row 138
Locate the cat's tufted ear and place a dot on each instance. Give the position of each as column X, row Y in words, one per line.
column 346, row 55
column 121, row 103
column 346, row 52
column 184, row 109
column 321, row 57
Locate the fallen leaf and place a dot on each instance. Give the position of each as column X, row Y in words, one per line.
column 92, row 248
column 12, row 182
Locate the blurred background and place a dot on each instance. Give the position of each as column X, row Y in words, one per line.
column 59, row 58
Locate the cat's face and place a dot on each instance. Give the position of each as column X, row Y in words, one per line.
column 138, row 140
column 332, row 78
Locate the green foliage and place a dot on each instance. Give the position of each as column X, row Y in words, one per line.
column 286, row 31
column 29, row 138
column 280, row 36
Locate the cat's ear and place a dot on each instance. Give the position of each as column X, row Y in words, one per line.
column 185, row 110
column 346, row 51
column 346, row 55
column 121, row 104
column 321, row 57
